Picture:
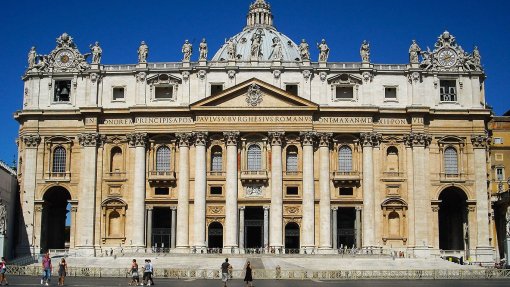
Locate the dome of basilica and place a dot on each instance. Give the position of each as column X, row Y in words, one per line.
column 259, row 40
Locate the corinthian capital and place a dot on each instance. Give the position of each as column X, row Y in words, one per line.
column 231, row 138
column 276, row 138
column 480, row 141
column 370, row 139
column 308, row 138
column 200, row 138
column 417, row 139
column 137, row 139
column 184, row 138
column 324, row 139
column 31, row 141
column 89, row 139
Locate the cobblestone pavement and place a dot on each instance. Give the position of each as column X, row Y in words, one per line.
column 110, row 282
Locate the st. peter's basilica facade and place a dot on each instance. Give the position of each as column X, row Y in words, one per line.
column 257, row 148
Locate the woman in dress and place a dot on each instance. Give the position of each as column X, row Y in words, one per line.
column 248, row 278
column 62, row 270
column 135, row 277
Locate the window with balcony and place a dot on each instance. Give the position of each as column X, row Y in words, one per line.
column 62, row 92
column 345, row 159
column 451, row 162
column 59, row 160
column 292, row 159
column 254, row 158
column 163, row 159
column 448, row 90
column 216, row 159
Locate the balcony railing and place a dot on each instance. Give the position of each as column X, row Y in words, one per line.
column 254, row 175
column 292, row 174
column 449, row 177
column 215, row 174
column 346, row 176
column 115, row 176
column 161, row 176
column 59, row 176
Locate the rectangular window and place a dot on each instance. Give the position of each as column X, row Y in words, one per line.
column 346, row 191
column 216, row 190
column 165, row 93
column 390, row 93
column 343, row 93
column 162, row 191
column 292, row 190
column 448, row 90
column 498, row 140
column 216, row 89
column 499, row 157
column 118, row 94
column 292, row 89
column 62, row 91
column 499, row 174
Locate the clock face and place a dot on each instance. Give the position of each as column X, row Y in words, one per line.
column 64, row 58
column 447, row 57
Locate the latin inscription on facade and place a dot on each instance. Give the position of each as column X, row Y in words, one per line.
column 345, row 120
column 253, row 119
column 392, row 122
column 149, row 120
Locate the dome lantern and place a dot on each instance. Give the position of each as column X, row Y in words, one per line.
column 259, row 14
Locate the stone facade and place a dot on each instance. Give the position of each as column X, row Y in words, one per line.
column 303, row 156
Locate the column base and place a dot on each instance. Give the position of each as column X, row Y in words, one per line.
column 308, row 250
column 202, row 249
column 230, row 250
column 485, row 254
column 87, row 251
column 326, row 250
column 181, row 250
column 421, row 251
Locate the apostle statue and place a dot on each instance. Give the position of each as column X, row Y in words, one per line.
column 97, row 52
column 323, row 51
column 231, row 49
column 414, row 51
column 143, row 52
column 477, row 59
column 187, row 50
column 364, row 52
column 32, row 56
column 304, row 50
column 256, row 44
column 203, row 50
column 277, row 53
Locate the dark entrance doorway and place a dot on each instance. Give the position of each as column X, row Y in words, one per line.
column 292, row 238
column 346, row 218
column 254, row 227
column 453, row 222
column 54, row 232
column 215, row 235
column 161, row 227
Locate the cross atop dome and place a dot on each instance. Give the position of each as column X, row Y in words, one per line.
column 259, row 14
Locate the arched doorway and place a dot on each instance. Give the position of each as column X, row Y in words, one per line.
column 55, row 221
column 453, row 222
column 215, row 235
column 291, row 237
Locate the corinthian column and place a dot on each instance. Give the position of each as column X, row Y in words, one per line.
column 368, row 141
column 183, row 199
column 308, row 226
column 139, row 142
column 276, row 216
column 325, row 195
column 421, row 200
column 231, row 139
column 200, row 190
column 483, row 249
column 31, row 142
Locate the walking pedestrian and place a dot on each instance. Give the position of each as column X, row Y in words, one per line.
column 46, row 266
column 62, row 272
column 3, row 270
column 248, row 277
column 225, row 266
column 135, row 277
column 151, row 273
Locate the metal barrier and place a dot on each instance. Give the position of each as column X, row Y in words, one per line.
column 278, row 273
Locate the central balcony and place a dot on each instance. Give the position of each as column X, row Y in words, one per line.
column 254, row 176
column 166, row 176
column 344, row 177
column 58, row 176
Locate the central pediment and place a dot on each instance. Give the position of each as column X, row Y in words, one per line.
column 252, row 95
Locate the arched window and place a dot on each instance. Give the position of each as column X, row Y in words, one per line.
column 59, row 160
column 345, row 159
column 254, row 157
column 114, row 224
column 394, row 224
column 392, row 159
column 116, row 160
column 163, row 159
column 216, row 159
column 450, row 161
column 292, row 159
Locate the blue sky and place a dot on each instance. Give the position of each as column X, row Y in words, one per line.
column 120, row 25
